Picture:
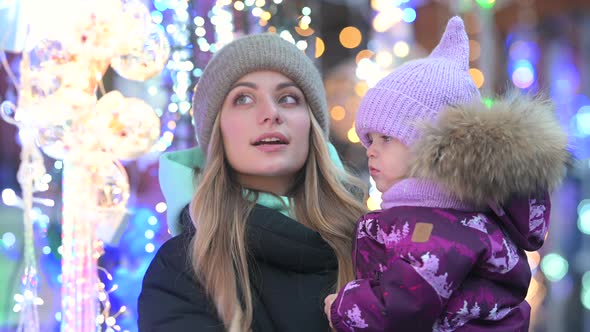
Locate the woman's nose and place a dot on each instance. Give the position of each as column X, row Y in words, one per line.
column 270, row 112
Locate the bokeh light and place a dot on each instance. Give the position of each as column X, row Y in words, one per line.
column 337, row 113
column 554, row 266
column 350, row 37
column 477, row 76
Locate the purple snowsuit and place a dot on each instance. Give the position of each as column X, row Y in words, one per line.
column 431, row 261
column 469, row 273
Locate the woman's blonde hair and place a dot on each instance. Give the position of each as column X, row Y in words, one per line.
column 324, row 198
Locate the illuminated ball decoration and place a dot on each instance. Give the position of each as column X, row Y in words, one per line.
column 128, row 127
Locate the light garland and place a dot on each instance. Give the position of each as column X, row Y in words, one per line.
column 57, row 109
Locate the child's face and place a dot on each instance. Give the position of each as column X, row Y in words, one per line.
column 389, row 160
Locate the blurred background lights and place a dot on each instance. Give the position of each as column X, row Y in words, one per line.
column 401, row 49
column 8, row 240
column 554, row 266
column 486, row 3
column 350, row 37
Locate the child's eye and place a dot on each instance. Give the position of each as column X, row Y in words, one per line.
column 243, row 100
column 289, row 99
column 386, row 138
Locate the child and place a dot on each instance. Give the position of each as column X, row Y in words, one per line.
column 464, row 195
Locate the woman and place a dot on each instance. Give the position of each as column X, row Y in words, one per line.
column 274, row 211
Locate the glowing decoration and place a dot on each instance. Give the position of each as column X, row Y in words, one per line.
column 364, row 54
column 488, row 102
column 409, row 15
column 58, row 111
column 146, row 55
column 486, row 3
column 585, row 298
column 239, row 5
column 52, row 141
column 128, row 127
column 112, row 196
column 582, row 123
column 29, row 173
column 584, row 217
column 523, row 75
column 319, row 47
column 337, row 113
column 373, row 203
column 352, row 136
column 554, row 266
column 361, row 88
column 477, row 77
column 387, row 19
column 161, row 207
column 302, row 45
column 350, row 37
column 384, row 59
column 9, row 197
column 8, row 239
column 586, row 280
column 401, row 49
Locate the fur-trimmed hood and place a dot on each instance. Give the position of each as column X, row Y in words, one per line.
column 488, row 155
column 506, row 157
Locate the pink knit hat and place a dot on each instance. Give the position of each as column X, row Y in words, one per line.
column 419, row 89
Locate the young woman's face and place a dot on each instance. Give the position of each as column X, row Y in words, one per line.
column 265, row 126
column 388, row 160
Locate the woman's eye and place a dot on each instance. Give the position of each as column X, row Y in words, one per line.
column 243, row 99
column 289, row 99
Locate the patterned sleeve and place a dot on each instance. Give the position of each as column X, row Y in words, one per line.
column 411, row 292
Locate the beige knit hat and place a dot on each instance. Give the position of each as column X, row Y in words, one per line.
column 246, row 55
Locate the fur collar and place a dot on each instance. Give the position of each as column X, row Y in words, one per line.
column 485, row 155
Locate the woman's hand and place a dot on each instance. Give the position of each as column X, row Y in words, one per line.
column 327, row 305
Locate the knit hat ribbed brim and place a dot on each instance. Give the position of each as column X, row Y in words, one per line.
column 419, row 89
column 246, row 55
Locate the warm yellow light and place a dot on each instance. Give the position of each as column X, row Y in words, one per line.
column 352, row 136
column 260, row 3
column 239, row 6
column 361, row 88
column 380, row 5
column 350, row 37
column 272, row 29
column 387, row 19
column 373, row 203
column 477, row 76
column 401, row 49
column 319, row 47
column 304, row 32
column 364, row 54
column 337, row 112
column 266, row 16
column 384, row 59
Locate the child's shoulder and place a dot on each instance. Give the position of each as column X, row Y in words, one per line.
column 371, row 215
column 419, row 213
